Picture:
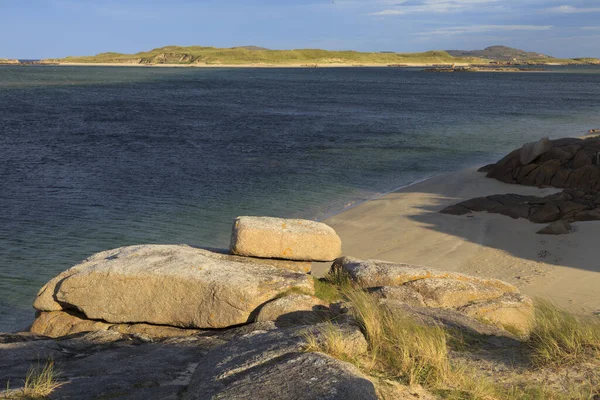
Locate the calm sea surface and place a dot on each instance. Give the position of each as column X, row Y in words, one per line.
column 93, row 158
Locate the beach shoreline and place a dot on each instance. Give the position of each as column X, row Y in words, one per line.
column 406, row 226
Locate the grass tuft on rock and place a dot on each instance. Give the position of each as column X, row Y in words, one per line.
column 560, row 338
column 39, row 383
column 329, row 340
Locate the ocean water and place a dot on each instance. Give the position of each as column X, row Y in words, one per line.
column 94, row 158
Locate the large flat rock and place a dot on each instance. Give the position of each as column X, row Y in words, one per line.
column 293, row 239
column 173, row 285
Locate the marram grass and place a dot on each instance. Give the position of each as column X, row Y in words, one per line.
column 560, row 338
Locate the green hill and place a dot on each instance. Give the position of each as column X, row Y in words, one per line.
column 200, row 55
column 500, row 53
column 254, row 55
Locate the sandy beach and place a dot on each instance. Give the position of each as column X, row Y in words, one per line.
column 405, row 226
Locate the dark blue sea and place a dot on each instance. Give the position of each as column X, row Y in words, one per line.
column 93, row 158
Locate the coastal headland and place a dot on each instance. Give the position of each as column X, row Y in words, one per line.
column 492, row 59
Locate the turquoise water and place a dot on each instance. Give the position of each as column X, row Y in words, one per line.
column 99, row 157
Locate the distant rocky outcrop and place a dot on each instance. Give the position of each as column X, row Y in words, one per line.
column 562, row 163
column 5, row 61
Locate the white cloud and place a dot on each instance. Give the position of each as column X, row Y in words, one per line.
column 566, row 9
column 388, row 12
column 461, row 30
column 432, row 6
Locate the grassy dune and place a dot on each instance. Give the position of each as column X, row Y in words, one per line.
column 198, row 55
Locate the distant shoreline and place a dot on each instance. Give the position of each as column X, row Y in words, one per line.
column 329, row 65
column 432, row 67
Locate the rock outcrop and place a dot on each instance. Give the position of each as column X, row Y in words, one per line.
column 254, row 361
column 570, row 205
column 178, row 286
column 561, row 163
column 292, row 239
column 531, row 151
column 489, row 300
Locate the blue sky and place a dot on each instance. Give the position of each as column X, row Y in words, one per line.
column 57, row 28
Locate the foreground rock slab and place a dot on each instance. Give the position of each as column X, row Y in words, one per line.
column 488, row 300
column 179, row 286
column 106, row 365
column 293, row 239
column 272, row 365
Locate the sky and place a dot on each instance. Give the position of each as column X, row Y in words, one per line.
column 32, row 29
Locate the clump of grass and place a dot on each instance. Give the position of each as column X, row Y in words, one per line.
column 560, row 338
column 405, row 349
column 326, row 291
column 330, row 340
column 39, row 383
column 330, row 287
column 339, row 277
